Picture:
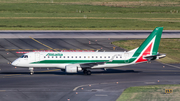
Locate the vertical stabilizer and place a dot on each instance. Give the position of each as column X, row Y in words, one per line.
column 149, row 46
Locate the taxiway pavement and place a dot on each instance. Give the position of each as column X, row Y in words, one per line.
column 16, row 84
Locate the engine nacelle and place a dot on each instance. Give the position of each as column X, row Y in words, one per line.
column 72, row 69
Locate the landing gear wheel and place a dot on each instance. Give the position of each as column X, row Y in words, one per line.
column 87, row 72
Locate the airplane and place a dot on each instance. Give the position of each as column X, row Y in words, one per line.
column 73, row 62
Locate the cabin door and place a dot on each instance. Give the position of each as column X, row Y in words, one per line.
column 126, row 57
column 37, row 56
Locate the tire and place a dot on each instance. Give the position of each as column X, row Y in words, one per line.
column 88, row 72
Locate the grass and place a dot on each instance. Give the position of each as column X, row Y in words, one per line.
column 150, row 93
column 170, row 47
column 80, row 23
column 59, row 1
column 89, row 14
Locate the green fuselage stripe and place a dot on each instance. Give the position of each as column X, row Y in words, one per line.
column 82, row 61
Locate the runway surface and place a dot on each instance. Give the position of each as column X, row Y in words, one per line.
column 87, row 34
column 16, row 84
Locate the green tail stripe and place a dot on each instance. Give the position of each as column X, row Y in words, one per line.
column 156, row 32
column 157, row 40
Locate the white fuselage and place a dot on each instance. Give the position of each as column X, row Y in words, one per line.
column 62, row 59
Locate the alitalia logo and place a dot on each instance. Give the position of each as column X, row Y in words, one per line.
column 147, row 51
column 52, row 54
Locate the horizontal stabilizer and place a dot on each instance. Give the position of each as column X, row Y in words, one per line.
column 153, row 57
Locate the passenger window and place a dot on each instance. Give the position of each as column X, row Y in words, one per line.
column 96, row 56
column 52, row 57
column 108, row 56
column 104, row 56
column 48, row 56
column 76, row 56
column 64, row 57
column 44, row 56
column 56, row 57
column 84, row 56
column 60, row 57
column 79, row 56
column 68, row 57
column 100, row 56
column 116, row 56
column 72, row 57
column 92, row 56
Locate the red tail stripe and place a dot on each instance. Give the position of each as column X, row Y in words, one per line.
column 146, row 52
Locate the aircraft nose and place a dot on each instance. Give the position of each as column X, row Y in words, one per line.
column 14, row 63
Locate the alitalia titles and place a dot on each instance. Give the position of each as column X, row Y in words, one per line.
column 52, row 54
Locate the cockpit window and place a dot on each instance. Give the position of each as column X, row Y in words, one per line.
column 24, row 56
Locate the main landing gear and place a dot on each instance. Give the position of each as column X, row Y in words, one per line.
column 87, row 72
column 31, row 70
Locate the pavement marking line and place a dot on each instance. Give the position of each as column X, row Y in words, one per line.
column 23, row 49
column 100, row 95
column 21, row 74
column 79, row 87
column 171, row 65
column 150, row 82
column 12, row 75
column 120, row 83
column 43, row 44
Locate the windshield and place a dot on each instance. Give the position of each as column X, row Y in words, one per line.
column 24, row 56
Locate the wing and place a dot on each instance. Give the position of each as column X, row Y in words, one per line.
column 91, row 64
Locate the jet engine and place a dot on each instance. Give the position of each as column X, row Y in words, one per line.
column 72, row 69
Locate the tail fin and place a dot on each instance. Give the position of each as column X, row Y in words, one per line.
column 149, row 46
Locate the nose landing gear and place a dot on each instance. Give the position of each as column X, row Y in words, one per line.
column 31, row 70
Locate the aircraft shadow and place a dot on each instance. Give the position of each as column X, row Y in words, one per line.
column 108, row 71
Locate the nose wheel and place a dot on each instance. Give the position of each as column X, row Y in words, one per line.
column 31, row 70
